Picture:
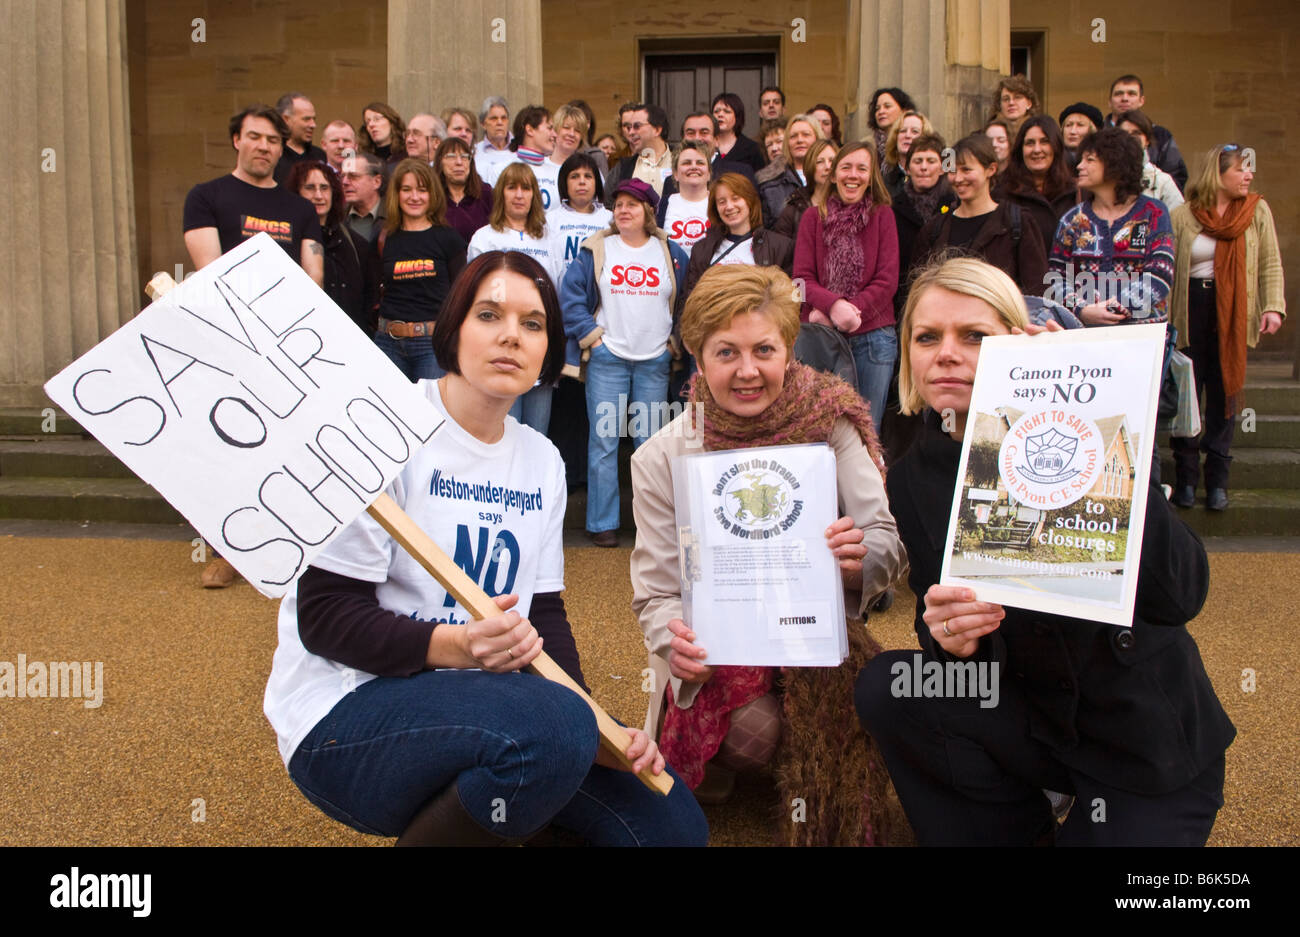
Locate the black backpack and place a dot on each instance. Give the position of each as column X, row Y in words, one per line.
column 827, row 350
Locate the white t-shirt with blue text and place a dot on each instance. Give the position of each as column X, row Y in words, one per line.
column 544, row 250
column 570, row 228
column 497, row 509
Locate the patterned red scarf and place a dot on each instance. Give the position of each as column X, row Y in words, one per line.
column 805, row 412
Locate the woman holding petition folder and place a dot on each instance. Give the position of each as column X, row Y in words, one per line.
column 1124, row 719
column 398, row 715
column 740, row 323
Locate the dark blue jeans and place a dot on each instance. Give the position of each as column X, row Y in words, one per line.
column 414, row 357
column 520, row 746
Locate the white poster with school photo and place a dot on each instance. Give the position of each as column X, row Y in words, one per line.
column 760, row 586
column 1056, row 457
column 255, row 406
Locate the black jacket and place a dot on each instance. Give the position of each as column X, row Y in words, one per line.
column 1045, row 212
column 745, row 151
column 787, row 222
column 775, row 189
column 909, row 224
column 1025, row 262
column 1131, row 707
column 352, row 275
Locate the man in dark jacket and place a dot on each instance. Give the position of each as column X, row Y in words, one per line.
column 1126, row 94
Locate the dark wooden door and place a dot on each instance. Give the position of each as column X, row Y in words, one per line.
column 681, row 84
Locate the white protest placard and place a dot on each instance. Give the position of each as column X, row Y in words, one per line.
column 255, row 406
column 1051, row 491
column 760, row 586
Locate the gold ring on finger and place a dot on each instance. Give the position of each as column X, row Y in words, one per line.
column 946, row 632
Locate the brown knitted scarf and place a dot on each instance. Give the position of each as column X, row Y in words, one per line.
column 1230, row 291
column 806, row 411
column 825, row 757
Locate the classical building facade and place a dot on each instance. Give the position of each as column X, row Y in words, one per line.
column 117, row 107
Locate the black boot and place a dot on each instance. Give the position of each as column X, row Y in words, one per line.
column 444, row 821
column 1184, row 496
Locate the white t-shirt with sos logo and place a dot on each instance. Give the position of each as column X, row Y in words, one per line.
column 635, row 288
column 686, row 222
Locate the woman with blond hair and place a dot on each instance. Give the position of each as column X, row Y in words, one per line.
column 1227, row 292
column 817, row 171
column 1124, row 717
column 419, row 256
column 741, row 323
column 461, row 123
column 898, row 143
column 784, row 176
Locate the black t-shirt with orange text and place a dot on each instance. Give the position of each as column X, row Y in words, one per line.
column 239, row 211
column 418, row 267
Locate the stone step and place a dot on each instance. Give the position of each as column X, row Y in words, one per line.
column 122, row 500
column 1260, row 512
column 59, row 457
column 1268, row 431
column 1273, row 397
column 1252, row 468
column 35, row 421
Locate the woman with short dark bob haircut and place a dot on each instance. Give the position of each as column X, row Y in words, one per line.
column 397, row 714
column 733, row 146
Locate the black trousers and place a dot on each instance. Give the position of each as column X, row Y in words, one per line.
column 1216, row 434
column 969, row 776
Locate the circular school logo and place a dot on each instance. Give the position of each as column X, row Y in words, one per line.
column 635, row 275
column 1051, row 458
column 757, row 498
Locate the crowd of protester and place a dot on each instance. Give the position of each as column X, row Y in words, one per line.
column 625, row 227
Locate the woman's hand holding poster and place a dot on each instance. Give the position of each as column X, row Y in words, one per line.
column 1055, row 463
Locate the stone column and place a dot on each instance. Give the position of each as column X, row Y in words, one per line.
column 68, row 264
column 947, row 54
column 445, row 52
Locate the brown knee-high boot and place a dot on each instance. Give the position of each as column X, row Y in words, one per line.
column 444, row 821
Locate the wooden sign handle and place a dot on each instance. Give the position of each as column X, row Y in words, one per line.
column 473, row 599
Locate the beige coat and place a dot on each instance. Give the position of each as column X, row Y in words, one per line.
column 1264, row 288
column 656, row 583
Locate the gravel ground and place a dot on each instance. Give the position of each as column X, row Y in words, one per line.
column 179, row 752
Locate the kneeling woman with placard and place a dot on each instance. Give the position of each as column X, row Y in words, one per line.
column 740, row 323
column 1125, row 719
column 398, row 715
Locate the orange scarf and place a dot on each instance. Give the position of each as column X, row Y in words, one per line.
column 1229, row 230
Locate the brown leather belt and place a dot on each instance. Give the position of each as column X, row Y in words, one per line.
column 398, row 329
